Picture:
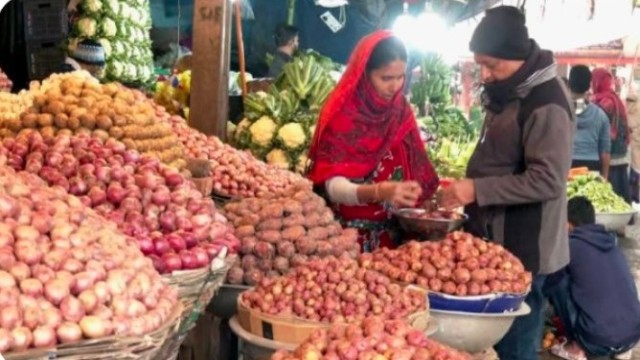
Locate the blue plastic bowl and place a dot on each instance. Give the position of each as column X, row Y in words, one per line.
column 490, row 303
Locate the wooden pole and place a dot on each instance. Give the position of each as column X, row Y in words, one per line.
column 210, row 70
column 240, row 41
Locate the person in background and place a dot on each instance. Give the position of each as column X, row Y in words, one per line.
column 595, row 296
column 604, row 96
column 89, row 56
column 515, row 190
column 592, row 141
column 633, row 115
column 366, row 155
column 287, row 44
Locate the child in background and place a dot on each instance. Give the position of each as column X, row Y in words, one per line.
column 595, row 295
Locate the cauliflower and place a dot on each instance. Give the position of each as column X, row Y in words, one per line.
column 242, row 126
column 114, row 6
column 92, row 6
column 278, row 158
column 292, row 135
column 106, row 45
column 109, row 28
column 118, row 48
column 87, row 27
column 303, row 162
column 262, row 131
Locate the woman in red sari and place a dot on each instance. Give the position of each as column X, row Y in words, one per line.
column 367, row 155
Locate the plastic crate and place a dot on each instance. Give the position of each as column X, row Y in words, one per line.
column 45, row 19
column 44, row 58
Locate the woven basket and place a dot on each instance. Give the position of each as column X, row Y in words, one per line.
column 196, row 289
column 204, row 185
column 113, row 347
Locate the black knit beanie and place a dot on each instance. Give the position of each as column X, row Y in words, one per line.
column 580, row 79
column 502, row 33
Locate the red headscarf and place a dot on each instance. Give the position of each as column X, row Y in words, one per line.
column 605, row 97
column 357, row 128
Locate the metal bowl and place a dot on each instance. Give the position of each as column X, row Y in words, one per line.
column 426, row 229
column 473, row 332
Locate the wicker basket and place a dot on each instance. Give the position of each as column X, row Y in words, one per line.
column 196, row 289
column 113, row 347
column 204, row 185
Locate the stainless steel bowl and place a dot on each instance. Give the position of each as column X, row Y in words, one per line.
column 426, row 229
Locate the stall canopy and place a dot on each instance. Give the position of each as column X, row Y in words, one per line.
column 358, row 18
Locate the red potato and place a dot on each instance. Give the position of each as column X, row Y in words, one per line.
column 459, row 259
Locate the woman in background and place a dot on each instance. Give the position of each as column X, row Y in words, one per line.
column 604, row 96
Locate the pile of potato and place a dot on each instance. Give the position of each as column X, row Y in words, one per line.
column 76, row 103
column 461, row 265
column 282, row 232
column 375, row 338
column 12, row 105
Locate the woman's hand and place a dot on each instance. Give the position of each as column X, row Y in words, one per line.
column 399, row 194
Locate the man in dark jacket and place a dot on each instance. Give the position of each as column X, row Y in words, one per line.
column 286, row 38
column 515, row 190
column 595, row 295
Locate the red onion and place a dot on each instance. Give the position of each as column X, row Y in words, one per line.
column 189, row 260
column 69, row 332
column 172, row 262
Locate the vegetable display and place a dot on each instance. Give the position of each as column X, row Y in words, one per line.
column 334, row 290
column 122, row 28
column 372, row 339
column 173, row 223
column 450, row 157
column 12, row 105
column 76, row 103
column 282, row 232
column 235, row 173
column 67, row 274
column 599, row 192
column 461, row 265
column 279, row 124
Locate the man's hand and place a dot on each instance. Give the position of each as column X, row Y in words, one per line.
column 459, row 193
column 400, row 194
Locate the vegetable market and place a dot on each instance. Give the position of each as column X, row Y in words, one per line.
column 326, row 180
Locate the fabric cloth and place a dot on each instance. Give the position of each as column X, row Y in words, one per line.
column 525, row 335
column 619, row 180
column 367, row 139
column 599, row 274
column 280, row 59
column 633, row 117
column 537, row 69
column 520, row 168
column 634, row 180
column 341, row 190
column 502, row 34
column 604, row 96
column 89, row 52
column 592, row 137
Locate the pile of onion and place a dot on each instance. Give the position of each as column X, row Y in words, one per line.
column 173, row 223
column 67, row 274
column 461, row 265
column 334, row 290
column 372, row 339
column 235, row 173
